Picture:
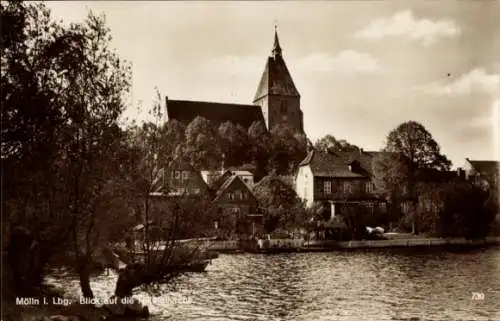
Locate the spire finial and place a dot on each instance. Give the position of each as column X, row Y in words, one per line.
column 276, row 47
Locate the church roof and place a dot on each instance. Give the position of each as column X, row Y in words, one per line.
column 185, row 111
column 276, row 79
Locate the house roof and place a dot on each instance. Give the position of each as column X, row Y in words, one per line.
column 336, row 164
column 437, row 176
column 159, row 185
column 276, row 79
column 487, row 168
column 241, row 173
column 185, row 111
column 228, row 181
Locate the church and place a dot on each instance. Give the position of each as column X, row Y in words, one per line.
column 276, row 101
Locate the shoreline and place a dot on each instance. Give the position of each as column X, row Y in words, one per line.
column 231, row 247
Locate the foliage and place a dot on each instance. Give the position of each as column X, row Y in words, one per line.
column 287, row 149
column 283, row 208
column 391, row 172
column 62, row 92
column 203, row 145
column 330, row 144
column 234, row 143
column 468, row 211
column 410, row 151
column 258, row 138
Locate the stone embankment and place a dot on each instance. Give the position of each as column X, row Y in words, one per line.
column 234, row 245
column 408, row 242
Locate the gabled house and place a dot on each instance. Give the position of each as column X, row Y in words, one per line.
column 338, row 179
column 210, row 177
column 483, row 173
column 179, row 179
column 238, row 209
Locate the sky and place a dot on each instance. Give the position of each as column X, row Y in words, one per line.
column 361, row 67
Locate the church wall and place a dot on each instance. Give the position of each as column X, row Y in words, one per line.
column 288, row 112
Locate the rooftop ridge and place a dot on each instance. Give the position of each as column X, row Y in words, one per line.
column 211, row 102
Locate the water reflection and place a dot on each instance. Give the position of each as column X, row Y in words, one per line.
column 372, row 285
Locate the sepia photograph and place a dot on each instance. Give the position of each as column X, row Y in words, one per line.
column 250, row 160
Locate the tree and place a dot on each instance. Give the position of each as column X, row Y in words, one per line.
column 203, row 144
column 466, row 211
column 410, row 151
column 283, row 208
column 234, row 143
column 287, row 149
column 62, row 95
column 172, row 141
column 330, row 144
column 259, row 139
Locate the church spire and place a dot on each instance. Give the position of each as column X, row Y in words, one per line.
column 276, row 46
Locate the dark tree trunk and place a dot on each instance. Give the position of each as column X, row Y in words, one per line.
column 84, row 275
column 139, row 274
column 27, row 260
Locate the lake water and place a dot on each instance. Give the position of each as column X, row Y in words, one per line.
column 391, row 284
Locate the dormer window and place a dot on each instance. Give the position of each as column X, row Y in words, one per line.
column 353, row 166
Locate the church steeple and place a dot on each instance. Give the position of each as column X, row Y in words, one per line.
column 276, row 46
column 276, row 92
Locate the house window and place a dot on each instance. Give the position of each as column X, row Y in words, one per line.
column 383, row 207
column 230, row 196
column 369, row 187
column 236, row 210
column 185, row 175
column 177, row 174
column 347, row 187
column 238, row 195
column 327, row 187
column 370, row 207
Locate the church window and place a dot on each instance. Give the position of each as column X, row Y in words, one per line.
column 283, row 106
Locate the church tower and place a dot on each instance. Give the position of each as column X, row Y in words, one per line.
column 277, row 95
